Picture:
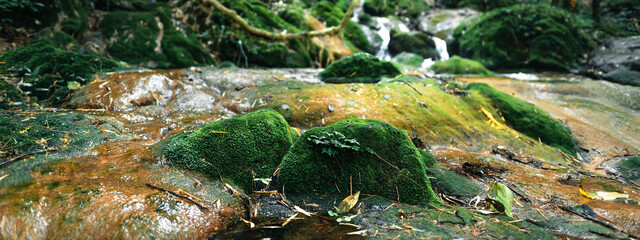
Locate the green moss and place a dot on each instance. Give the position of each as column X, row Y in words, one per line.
column 150, row 39
column 239, row 149
column 480, row 5
column 419, row 43
column 534, row 36
column 458, row 65
column 408, row 8
column 360, row 68
column 332, row 16
column 427, row 158
column 58, row 39
column 528, row 119
column 9, row 96
column 379, row 158
column 47, row 70
column 630, row 168
column 408, row 59
column 38, row 14
column 445, row 181
column 127, row 5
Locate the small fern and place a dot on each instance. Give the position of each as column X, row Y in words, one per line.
column 336, row 141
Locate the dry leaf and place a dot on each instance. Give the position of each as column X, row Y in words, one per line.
column 348, row 203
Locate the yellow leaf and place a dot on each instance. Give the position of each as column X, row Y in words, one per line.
column 214, row 131
column 583, row 193
column 25, row 130
column 348, row 203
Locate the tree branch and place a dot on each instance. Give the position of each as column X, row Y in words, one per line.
column 285, row 36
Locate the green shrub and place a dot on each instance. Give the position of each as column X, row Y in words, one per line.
column 536, row 36
column 360, row 68
column 528, row 119
column 379, row 158
column 458, row 65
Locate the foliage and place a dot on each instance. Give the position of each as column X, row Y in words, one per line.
column 538, row 36
column 501, row 198
column 458, row 65
column 48, row 70
column 419, row 43
column 528, row 119
column 239, row 149
column 38, row 14
column 480, row 5
column 332, row 15
column 360, row 68
column 396, row 167
column 336, row 141
column 408, row 8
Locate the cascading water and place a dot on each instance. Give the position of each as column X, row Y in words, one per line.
column 441, row 47
column 382, row 30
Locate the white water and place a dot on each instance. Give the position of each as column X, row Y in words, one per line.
column 441, row 47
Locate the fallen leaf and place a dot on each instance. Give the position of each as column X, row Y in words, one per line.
column 348, row 203
column 503, row 195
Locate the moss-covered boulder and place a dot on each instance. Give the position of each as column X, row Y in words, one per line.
column 533, row 36
column 360, row 68
column 379, row 158
column 148, row 38
column 458, row 65
column 51, row 73
column 528, row 119
column 450, row 183
column 407, row 8
column 70, row 15
column 480, row 5
column 408, row 59
column 419, row 43
column 238, row 149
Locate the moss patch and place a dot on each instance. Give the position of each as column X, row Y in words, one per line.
column 408, row 8
column 445, row 181
column 9, row 96
column 48, row 71
column 528, row 119
column 458, row 65
column 379, row 158
column 418, row 43
column 332, row 15
column 360, row 68
column 239, row 149
column 630, row 168
column 535, row 36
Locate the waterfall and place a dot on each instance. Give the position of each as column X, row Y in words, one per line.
column 441, row 47
column 384, row 31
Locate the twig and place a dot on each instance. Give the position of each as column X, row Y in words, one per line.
column 414, row 89
column 177, row 195
column 28, row 154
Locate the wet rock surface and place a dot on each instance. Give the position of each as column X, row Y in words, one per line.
column 616, row 60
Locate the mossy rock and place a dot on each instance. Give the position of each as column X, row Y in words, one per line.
column 446, row 181
column 630, row 168
column 37, row 14
column 419, row 43
column 360, row 68
column 407, row 8
column 49, row 72
column 458, row 65
column 379, row 158
column 239, row 149
column 528, row 119
column 530, row 36
column 480, row 5
column 9, row 96
column 58, row 39
column 332, row 15
column 133, row 37
column 408, row 59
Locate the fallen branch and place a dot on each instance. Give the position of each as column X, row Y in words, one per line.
column 284, row 36
column 177, row 195
column 27, row 155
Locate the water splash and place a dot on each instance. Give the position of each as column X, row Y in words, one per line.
column 441, row 47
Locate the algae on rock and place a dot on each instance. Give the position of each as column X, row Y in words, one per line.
column 528, row 119
column 385, row 163
column 360, row 68
column 239, row 149
column 458, row 65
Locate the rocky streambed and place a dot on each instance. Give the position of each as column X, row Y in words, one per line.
column 98, row 166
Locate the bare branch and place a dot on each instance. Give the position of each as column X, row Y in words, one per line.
column 285, row 36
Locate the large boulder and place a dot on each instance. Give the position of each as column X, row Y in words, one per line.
column 374, row 156
column 442, row 22
column 616, row 60
column 531, row 36
column 419, row 43
column 238, row 149
column 360, row 68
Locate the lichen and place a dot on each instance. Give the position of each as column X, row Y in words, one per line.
column 385, row 163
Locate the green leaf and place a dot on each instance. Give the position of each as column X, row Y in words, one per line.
column 504, row 195
column 329, row 152
column 73, row 85
column 333, row 214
